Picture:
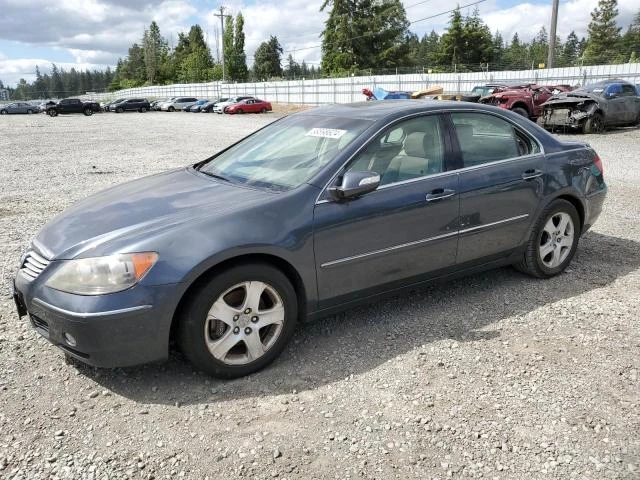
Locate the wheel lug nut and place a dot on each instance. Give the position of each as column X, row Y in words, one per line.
column 236, row 318
column 247, row 311
column 236, row 330
column 247, row 331
column 254, row 319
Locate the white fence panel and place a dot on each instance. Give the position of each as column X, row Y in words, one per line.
column 349, row 89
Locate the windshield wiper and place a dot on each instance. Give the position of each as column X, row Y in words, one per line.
column 215, row 175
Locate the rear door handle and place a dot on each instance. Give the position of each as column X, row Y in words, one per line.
column 439, row 194
column 531, row 174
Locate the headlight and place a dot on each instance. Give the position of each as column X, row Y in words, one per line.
column 101, row 275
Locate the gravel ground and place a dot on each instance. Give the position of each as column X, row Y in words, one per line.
column 495, row 376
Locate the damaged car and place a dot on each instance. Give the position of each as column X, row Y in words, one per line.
column 524, row 99
column 593, row 108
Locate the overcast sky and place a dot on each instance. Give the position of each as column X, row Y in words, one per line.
column 94, row 33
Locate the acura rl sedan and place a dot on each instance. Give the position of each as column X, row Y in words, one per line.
column 311, row 214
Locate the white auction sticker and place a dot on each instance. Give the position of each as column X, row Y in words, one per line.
column 325, row 132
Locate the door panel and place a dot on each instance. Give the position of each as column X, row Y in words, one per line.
column 501, row 185
column 497, row 206
column 390, row 235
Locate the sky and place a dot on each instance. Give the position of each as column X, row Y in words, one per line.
column 95, row 33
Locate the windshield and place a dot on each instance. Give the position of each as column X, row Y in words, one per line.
column 596, row 89
column 287, row 153
column 482, row 91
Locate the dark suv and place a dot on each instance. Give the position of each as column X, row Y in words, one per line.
column 131, row 105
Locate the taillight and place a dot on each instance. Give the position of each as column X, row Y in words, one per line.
column 597, row 162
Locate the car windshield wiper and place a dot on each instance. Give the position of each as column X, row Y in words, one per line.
column 216, row 175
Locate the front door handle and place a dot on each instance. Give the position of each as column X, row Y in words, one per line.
column 439, row 194
column 531, row 174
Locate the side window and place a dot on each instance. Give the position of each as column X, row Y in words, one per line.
column 486, row 138
column 410, row 149
column 628, row 91
column 615, row 88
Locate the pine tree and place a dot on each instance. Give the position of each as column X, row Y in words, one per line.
column 266, row 63
column 604, row 35
column 292, row 70
column 363, row 34
column 240, row 57
column 56, row 87
column 40, row 87
column 539, row 47
column 478, row 41
column 570, row 51
column 155, row 53
column 228, row 50
column 453, row 43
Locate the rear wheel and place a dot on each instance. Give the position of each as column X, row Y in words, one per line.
column 53, row 113
column 264, row 110
column 29, row 111
column 594, row 124
column 521, row 111
column 239, row 321
column 171, row 109
column 553, row 241
column 143, row 109
column 3, row 112
column 88, row 112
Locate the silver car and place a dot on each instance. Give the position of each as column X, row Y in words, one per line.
column 18, row 107
column 177, row 103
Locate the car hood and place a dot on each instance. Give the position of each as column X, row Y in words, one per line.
column 572, row 98
column 140, row 208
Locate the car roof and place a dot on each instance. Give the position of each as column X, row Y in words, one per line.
column 609, row 81
column 380, row 109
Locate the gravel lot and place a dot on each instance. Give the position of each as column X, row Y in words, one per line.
column 495, row 376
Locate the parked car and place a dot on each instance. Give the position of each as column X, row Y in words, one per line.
column 73, row 105
column 18, row 107
column 131, row 105
column 177, row 103
column 208, row 107
column 220, row 106
column 42, row 107
column 593, row 108
column 106, row 106
column 155, row 105
column 525, row 100
column 250, row 105
column 311, row 214
column 187, row 107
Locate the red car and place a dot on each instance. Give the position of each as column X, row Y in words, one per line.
column 525, row 99
column 250, row 105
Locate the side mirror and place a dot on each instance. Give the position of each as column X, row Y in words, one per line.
column 355, row 184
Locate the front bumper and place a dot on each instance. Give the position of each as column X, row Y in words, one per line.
column 117, row 330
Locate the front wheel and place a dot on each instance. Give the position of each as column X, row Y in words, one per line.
column 553, row 241
column 3, row 112
column 594, row 124
column 171, row 109
column 521, row 111
column 88, row 112
column 143, row 109
column 53, row 113
column 239, row 321
column 29, row 112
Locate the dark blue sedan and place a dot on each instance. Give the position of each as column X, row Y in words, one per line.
column 312, row 214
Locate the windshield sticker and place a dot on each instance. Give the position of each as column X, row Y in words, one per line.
column 325, row 133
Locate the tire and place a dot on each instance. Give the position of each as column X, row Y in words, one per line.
column 593, row 124
column 240, row 111
column 521, row 111
column 198, row 334
column 119, row 110
column 143, row 110
column 88, row 112
column 548, row 252
column 171, row 109
column 264, row 110
column 3, row 112
column 29, row 112
column 53, row 113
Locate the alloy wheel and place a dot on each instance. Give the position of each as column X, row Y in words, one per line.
column 556, row 240
column 244, row 323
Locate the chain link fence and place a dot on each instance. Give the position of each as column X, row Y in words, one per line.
column 349, row 89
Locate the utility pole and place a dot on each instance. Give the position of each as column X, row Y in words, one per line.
column 551, row 59
column 222, row 15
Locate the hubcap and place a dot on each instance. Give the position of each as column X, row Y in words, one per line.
column 556, row 240
column 244, row 323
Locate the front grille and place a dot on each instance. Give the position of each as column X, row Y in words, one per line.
column 33, row 265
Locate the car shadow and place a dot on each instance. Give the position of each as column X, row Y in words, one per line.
column 361, row 339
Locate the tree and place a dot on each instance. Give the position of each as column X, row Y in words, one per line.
column 228, row 50
column 266, row 60
column 570, row 51
column 56, row 87
column 453, row 43
column 155, row 53
column 292, row 70
column 239, row 57
column 539, row 47
column 478, row 40
column 40, row 87
column 604, row 35
column 363, row 34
